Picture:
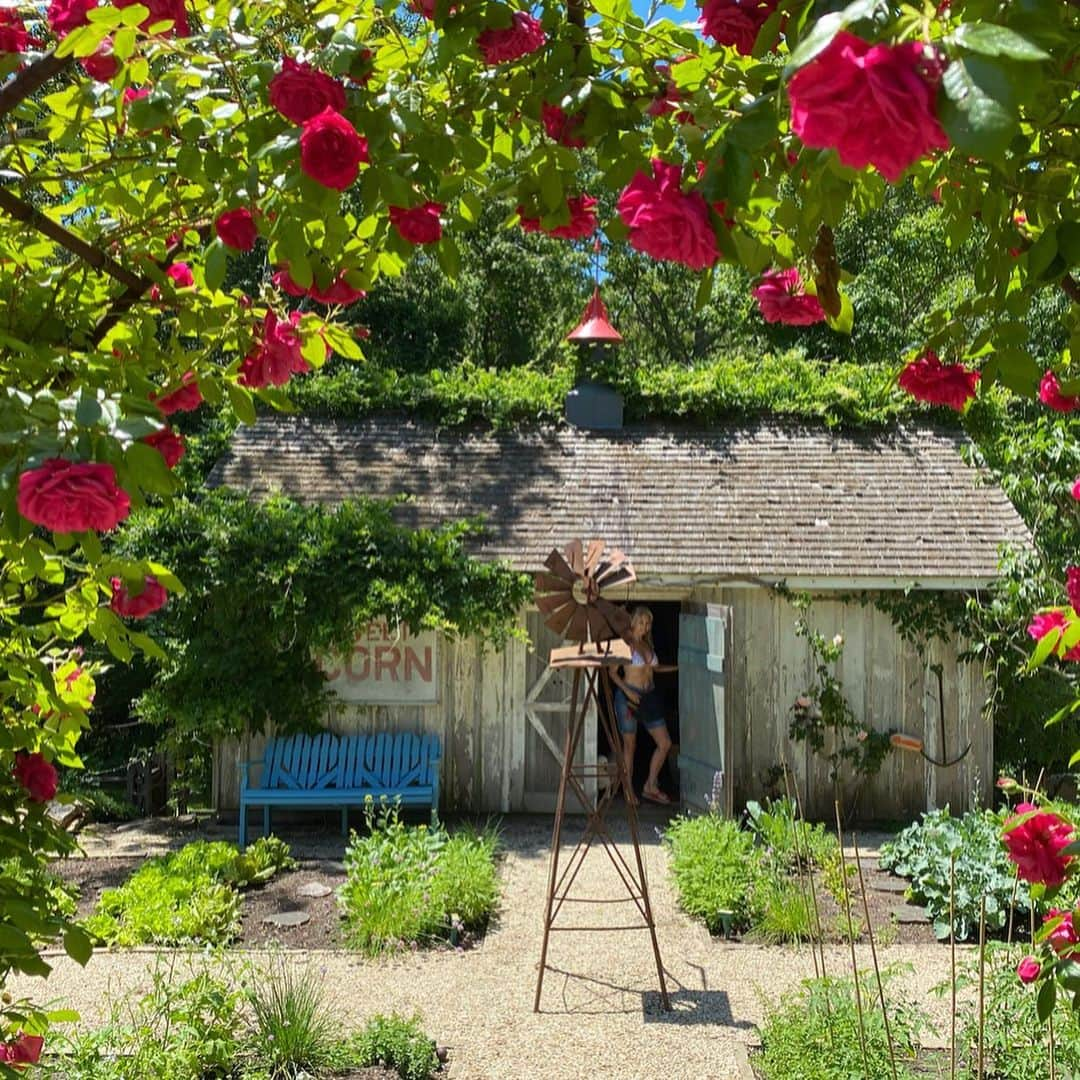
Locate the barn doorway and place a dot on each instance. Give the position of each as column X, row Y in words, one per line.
column 666, row 640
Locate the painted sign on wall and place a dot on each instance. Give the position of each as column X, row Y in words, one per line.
column 388, row 666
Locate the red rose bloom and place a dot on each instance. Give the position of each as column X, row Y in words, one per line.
column 782, row 299
column 1050, row 395
column 874, row 104
column 283, row 280
column 70, row 496
column 36, row 775
column 666, row 222
column 300, row 91
column 1063, row 937
column 173, row 11
column 180, row 275
column 66, row 15
column 927, row 379
column 168, row 444
column 185, row 398
column 277, row 357
column 1029, row 969
column 331, row 151
column 1072, row 587
column 236, row 229
column 153, row 597
column 1047, row 621
column 13, row 35
column 339, row 291
column 427, row 8
column 102, row 66
column 1036, row 844
column 735, row 23
column 582, row 220
column 1076, row 489
column 24, row 1049
column 561, row 128
column 523, row 36
column 420, row 224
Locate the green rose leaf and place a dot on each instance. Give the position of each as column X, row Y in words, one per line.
column 976, row 122
column 993, row 40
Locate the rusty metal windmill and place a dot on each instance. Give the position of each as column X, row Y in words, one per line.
column 569, row 593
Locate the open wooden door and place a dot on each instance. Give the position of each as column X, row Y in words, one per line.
column 705, row 745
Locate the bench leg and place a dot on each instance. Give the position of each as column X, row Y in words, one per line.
column 344, row 821
column 243, row 826
column 266, row 821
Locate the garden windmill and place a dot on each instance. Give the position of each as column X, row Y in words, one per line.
column 569, row 594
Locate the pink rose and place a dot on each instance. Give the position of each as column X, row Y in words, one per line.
column 1050, row 395
column 1029, row 969
column 420, row 224
column 1036, row 844
column 70, row 496
column 277, row 357
column 168, row 444
column 339, row 291
column 1045, row 622
column 284, row 281
column 735, row 23
column 1072, row 587
column 331, row 151
column 24, row 1049
column 874, row 104
column 102, row 66
column 179, row 273
column 927, row 379
column 236, row 229
column 67, row 15
column 523, row 36
column 173, row 11
column 185, row 398
column 582, row 220
column 37, row 775
column 561, row 128
column 1076, row 489
column 782, row 299
column 666, row 222
column 13, row 35
column 1062, row 937
column 300, row 91
column 153, row 597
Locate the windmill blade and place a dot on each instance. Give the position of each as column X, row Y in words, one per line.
column 620, row 575
column 572, row 554
column 578, row 624
column 553, row 601
column 557, row 621
column 559, row 566
column 618, row 618
column 600, row 628
column 549, row 583
column 592, row 556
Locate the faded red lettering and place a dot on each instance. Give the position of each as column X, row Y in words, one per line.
column 414, row 665
column 360, row 654
column 387, row 658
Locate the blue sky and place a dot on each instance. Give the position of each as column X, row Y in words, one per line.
column 687, row 14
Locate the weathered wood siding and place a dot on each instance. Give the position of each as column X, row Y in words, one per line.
column 479, row 716
column 887, row 685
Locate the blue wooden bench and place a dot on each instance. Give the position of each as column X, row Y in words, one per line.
column 339, row 771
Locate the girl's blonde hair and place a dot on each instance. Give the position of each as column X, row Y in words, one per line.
column 641, row 609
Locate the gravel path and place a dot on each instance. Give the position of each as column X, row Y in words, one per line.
column 600, row 1012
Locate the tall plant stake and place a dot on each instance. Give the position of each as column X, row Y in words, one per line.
column 952, row 964
column 813, row 898
column 1012, row 906
column 1053, row 1064
column 795, row 824
column 851, row 941
column 982, row 981
column 873, row 954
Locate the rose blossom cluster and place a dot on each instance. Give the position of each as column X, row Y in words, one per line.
column 1051, row 396
column 339, row 291
column 276, row 356
column 153, row 597
column 331, row 149
column 418, row 224
column 782, row 298
column 1036, row 840
column 736, row 23
column 927, row 379
column 582, row 222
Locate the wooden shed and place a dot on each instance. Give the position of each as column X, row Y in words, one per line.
column 713, row 520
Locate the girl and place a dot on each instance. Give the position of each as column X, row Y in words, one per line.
column 636, row 699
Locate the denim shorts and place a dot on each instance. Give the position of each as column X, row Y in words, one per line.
column 648, row 711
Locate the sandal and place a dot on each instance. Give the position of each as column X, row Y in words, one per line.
column 656, row 796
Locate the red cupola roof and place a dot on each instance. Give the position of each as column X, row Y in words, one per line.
column 594, row 325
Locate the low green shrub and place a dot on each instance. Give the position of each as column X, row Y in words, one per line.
column 715, row 871
column 788, row 839
column 812, row 1033
column 782, row 911
column 408, row 884
column 1015, row 1042
column 396, row 1043
column 922, row 853
column 185, row 896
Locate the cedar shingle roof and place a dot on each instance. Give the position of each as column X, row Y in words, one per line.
column 770, row 499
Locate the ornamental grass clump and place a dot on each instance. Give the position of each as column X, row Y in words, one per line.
column 415, row 885
column 190, row 895
column 393, row 1042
